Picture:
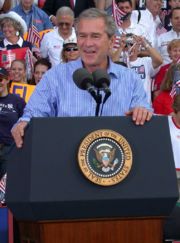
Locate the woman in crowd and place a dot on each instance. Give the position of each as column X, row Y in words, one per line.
column 162, row 104
column 11, row 108
column 13, row 28
column 174, row 53
column 40, row 67
column 18, row 71
column 70, row 50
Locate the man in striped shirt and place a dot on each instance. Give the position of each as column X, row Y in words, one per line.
column 57, row 94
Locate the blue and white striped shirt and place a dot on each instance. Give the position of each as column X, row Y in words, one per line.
column 58, row 96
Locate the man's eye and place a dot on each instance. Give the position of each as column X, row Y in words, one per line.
column 82, row 36
column 96, row 36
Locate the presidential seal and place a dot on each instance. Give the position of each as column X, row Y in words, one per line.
column 105, row 157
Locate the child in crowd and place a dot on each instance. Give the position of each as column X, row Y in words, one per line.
column 11, row 108
column 18, row 71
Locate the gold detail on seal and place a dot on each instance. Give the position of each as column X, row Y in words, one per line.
column 105, row 157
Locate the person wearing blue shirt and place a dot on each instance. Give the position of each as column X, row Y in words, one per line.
column 33, row 15
column 58, row 95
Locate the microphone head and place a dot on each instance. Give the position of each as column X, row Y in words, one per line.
column 82, row 78
column 101, row 77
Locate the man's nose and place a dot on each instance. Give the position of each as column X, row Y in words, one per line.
column 88, row 41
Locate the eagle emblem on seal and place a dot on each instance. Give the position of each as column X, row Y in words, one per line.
column 105, row 155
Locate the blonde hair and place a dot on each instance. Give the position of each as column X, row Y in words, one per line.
column 173, row 44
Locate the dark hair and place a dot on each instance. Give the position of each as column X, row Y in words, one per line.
column 176, row 104
column 172, row 11
column 123, row 1
column 42, row 61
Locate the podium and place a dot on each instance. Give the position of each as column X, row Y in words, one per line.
column 54, row 202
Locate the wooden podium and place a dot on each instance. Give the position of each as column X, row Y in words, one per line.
column 102, row 231
column 54, row 202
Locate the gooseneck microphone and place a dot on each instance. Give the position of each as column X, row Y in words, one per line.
column 102, row 82
column 84, row 80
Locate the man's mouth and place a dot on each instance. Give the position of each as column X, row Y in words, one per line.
column 89, row 51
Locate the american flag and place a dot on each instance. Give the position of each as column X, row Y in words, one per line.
column 34, row 36
column 175, row 89
column 3, row 184
column 178, row 60
column 29, row 63
column 116, row 42
column 117, row 14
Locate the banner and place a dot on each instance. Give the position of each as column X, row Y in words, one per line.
column 7, row 56
column 23, row 90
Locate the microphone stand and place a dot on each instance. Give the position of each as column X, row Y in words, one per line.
column 104, row 101
column 98, row 102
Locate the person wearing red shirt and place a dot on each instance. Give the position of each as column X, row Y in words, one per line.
column 174, row 53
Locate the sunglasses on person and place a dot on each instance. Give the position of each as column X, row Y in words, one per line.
column 61, row 24
column 68, row 49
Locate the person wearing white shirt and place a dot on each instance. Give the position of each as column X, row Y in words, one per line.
column 52, row 43
column 128, row 26
column 145, row 67
column 149, row 18
column 174, row 33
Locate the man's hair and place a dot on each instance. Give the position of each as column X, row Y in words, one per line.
column 94, row 13
column 172, row 11
column 123, row 1
column 65, row 11
column 176, row 103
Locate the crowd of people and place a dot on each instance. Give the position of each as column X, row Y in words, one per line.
column 140, row 50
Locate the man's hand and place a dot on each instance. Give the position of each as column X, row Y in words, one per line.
column 53, row 20
column 18, row 133
column 140, row 115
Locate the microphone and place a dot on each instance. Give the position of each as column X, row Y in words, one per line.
column 102, row 81
column 84, row 80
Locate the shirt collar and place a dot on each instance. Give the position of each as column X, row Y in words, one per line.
column 19, row 42
column 30, row 11
column 174, row 32
column 112, row 68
